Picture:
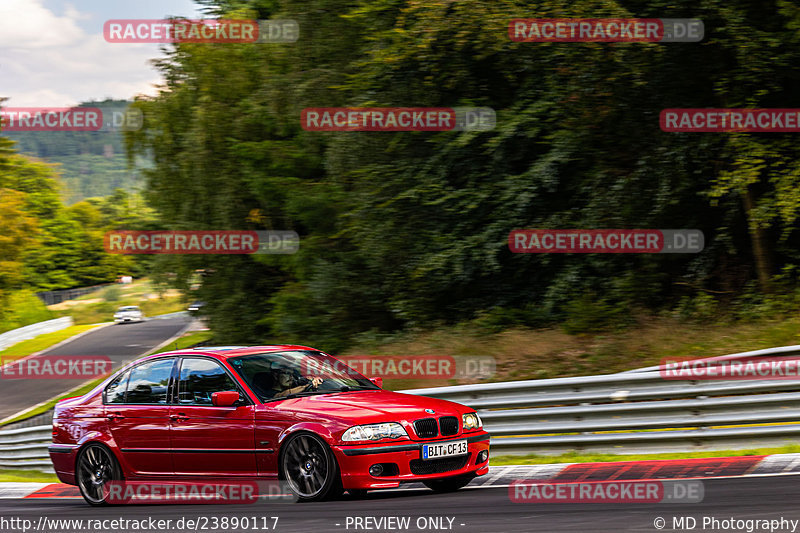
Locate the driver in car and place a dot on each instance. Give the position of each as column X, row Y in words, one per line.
column 285, row 382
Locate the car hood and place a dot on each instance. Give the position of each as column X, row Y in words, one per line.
column 373, row 406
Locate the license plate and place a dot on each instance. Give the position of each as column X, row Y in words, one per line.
column 444, row 449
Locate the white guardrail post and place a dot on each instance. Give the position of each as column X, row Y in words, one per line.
column 628, row 412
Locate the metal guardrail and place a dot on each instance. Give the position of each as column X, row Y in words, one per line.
column 56, row 297
column 26, row 448
column 28, row 332
column 628, row 412
column 636, row 411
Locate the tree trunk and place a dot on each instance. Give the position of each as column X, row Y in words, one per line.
column 760, row 247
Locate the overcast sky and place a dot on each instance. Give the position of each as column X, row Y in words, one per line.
column 52, row 52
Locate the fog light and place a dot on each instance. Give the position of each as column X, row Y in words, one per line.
column 483, row 456
column 376, row 470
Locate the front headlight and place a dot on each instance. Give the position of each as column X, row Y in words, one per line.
column 388, row 430
column 471, row 421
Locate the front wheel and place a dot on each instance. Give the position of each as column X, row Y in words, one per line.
column 450, row 484
column 310, row 468
column 96, row 468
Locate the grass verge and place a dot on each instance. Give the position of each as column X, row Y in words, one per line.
column 100, row 305
column 188, row 340
column 533, row 459
column 26, row 476
column 521, row 353
column 104, row 311
column 503, row 460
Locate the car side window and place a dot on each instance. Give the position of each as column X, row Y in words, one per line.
column 149, row 382
column 115, row 391
column 199, row 379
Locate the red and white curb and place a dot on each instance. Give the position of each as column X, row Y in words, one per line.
column 502, row 476
column 712, row 467
column 15, row 491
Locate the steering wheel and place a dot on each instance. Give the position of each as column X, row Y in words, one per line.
column 310, row 385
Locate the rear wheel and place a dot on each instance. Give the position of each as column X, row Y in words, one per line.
column 96, row 468
column 450, row 484
column 309, row 467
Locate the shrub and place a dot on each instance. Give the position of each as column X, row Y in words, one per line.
column 590, row 315
column 22, row 308
column 112, row 293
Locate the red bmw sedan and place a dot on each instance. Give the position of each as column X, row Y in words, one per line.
column 287, row 413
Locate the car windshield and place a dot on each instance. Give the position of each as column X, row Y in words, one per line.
column 129, row 308
column 280, row 375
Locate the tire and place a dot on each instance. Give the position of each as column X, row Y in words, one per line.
column 310, row 468
column 95, row 468
column 450, row 484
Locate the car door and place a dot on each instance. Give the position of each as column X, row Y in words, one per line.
column 271, row 422
column 137, row 414
column 209, row 440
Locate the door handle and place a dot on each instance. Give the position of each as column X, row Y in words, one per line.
column 180, row 417
column 114, row 416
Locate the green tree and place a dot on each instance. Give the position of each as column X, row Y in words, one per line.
column 410, row 229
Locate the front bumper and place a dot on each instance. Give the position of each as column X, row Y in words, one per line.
column 355, row 461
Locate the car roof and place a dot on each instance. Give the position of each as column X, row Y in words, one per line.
column 225, row 352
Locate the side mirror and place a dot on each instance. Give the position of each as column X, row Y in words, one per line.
column 377, row 381
column 224, row 398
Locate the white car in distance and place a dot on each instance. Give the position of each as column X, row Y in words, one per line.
column 128, row 313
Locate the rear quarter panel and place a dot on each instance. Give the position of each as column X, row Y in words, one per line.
column 76, row 422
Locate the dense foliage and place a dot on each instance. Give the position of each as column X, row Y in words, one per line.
column 410, row 229
column 45, row 245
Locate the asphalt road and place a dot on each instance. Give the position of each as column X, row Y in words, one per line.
column 119, row 342
column 471, row 510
